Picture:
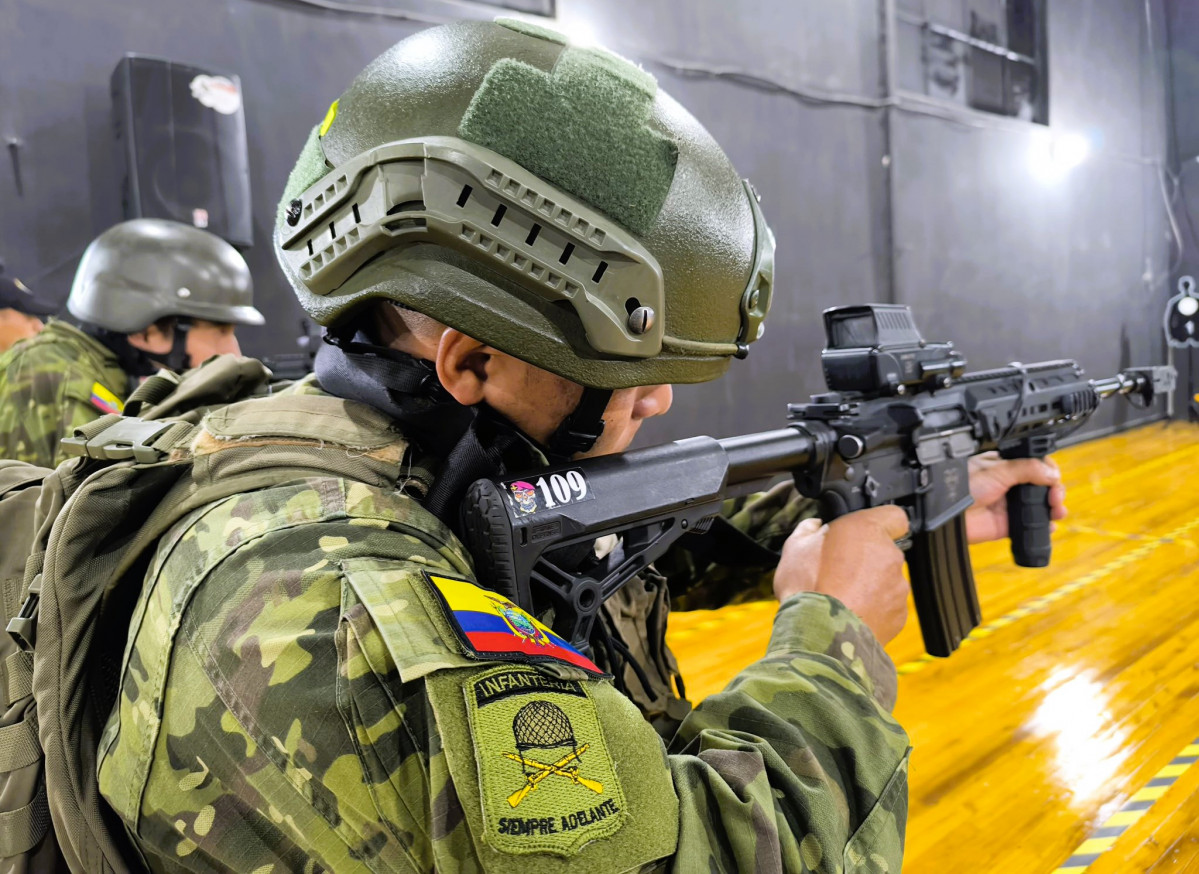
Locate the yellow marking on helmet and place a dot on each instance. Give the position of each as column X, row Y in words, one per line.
column 329, row 116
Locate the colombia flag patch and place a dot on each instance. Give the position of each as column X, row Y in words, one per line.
column 491, row 626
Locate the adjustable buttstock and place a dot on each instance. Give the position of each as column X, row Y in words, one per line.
column 943, row 586
column 488, row 536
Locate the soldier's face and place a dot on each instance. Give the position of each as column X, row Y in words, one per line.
column 16, row 326
column 624, row 414
column 205, row 339
column 538, row 401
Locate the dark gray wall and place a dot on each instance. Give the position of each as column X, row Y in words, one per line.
column 1183, row 50
column 56, row 57
column 1013, row 267
column 1002, row 263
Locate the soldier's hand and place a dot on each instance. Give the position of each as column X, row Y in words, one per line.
column 855, row 560
column 990, row 479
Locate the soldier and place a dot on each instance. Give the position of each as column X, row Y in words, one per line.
column 21, row 312
column 148, row 294
column 516, row 245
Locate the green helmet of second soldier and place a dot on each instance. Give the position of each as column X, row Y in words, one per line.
column 562, row 212
column 148, row 293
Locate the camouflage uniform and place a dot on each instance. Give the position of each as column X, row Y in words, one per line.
column 51, row 384
column 296, row 697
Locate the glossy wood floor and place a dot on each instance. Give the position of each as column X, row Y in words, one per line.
column 1074, row 698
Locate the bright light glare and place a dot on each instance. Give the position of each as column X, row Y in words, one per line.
column 1089, row 747
column 1052, row 157
column 578, row 31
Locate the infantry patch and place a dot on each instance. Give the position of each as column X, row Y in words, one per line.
column 547, row 781
column 489, row 625
column 105, row 401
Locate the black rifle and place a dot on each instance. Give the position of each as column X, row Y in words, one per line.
column 897, row 426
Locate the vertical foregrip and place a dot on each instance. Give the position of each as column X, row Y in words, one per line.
column 943, row 586
column 1028, row 524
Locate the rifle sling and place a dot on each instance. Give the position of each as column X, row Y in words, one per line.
column 724, row 543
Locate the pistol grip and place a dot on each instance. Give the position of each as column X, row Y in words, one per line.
column 1028, row 524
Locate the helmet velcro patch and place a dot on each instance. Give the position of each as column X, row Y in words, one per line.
column 584, row 126
column 530, row 28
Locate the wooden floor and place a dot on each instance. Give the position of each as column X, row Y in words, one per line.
column 1059, row 738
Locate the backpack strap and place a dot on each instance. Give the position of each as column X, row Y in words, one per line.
column 109, row 438
column 153, row 391
column 17, row 674
column 24, row 828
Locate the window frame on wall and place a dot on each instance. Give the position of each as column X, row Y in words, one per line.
column 942, row 49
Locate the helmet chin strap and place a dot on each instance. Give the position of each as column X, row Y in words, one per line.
column 581, row 429
column 177, row 359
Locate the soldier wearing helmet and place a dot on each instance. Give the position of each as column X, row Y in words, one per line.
column 148, row 293
column 515, row 245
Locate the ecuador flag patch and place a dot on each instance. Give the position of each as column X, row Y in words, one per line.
column 105, row 401
column 491, row 626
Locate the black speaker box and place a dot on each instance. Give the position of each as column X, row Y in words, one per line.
column 181, row 134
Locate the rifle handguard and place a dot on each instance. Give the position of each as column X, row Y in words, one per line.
column 1028, row 525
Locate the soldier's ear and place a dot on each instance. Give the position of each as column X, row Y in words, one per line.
column 462, row 366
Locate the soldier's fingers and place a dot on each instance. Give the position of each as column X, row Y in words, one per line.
column 1032, row 471
column 1057, row 502
column 891, row 519
column 809, row 526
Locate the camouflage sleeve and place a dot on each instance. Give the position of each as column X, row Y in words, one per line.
column 31, row 409
column 798, row 764
column 44, row 396
column 286, row 738
column 699, row 583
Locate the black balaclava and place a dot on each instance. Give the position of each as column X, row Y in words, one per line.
column 139, row 363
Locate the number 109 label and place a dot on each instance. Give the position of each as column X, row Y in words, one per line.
column 548, row 492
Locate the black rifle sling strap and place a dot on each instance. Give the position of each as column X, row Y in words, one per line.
column 724, row 543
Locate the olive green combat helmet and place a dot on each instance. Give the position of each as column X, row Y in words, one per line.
column 143, row 270
column 546, row 199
